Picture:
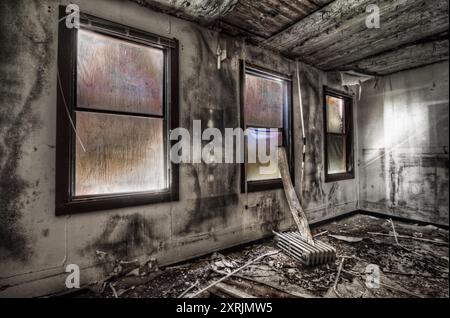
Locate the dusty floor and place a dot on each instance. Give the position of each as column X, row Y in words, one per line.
column 415, row 267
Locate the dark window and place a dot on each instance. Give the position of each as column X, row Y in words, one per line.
column 117, row 101
column 266, row 115
column 339, row 161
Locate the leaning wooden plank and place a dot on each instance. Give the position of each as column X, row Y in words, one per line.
column 294, row 204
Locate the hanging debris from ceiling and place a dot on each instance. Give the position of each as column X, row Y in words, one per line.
column 352, row 78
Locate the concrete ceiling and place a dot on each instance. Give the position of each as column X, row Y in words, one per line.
column 331, row 35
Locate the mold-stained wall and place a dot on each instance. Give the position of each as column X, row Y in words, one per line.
column 403, row 142
column 212, row 214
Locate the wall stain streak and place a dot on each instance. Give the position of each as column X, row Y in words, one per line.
column 313, row 192
column 126, row 237
column 212, row 101
column 26, row 55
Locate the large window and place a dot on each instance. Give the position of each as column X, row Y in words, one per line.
column 339, row 162
column 117, row 101
column 266, row 116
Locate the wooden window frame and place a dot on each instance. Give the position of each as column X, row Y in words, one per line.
column 288, row 134
column 350, row 160
column 65, row 201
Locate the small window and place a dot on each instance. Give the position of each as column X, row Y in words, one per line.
column 265, row 115
column 339, row 162
column 117, row 100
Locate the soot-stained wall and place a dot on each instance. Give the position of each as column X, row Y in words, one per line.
column 212, row 214
column 403, row 142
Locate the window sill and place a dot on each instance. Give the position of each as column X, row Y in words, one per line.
column 95, row 204
column 260, row 186
column 339, row 177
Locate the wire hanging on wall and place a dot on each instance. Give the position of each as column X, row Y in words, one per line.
column 68, row 114
column 302, row 119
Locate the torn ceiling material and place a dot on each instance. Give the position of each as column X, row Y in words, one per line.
column 352, row 78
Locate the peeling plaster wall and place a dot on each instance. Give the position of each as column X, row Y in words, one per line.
column 35, row 245
column 403, row 142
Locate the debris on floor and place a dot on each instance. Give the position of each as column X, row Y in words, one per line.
column 376, row 258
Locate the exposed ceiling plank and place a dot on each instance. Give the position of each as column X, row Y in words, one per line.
column 237, row 31
column 203, row 11
column 330, row 35
column 267, row 17
column 403, row 25
column 319, row 23
column 393, row 19
column 406, row 57
column 344, row 20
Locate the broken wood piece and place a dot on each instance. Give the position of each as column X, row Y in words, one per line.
column 394, row 231
column 234, row 272
column 410, row 238
column 232, row 291
column 257, row 290
column 348, row 239
column 413, row 274
column 113, row 290
column 295, row 207
column 272, row 286
column 429, row 258
column 189, row 289
column 135, row 272
column 103, row 287
column 401, row 290
column 321, row 233
column 122, row 292
column 338, row 276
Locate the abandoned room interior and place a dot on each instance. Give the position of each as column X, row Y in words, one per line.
column 224, row 148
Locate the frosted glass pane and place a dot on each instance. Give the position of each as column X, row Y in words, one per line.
column 336, row 154
column 335, row 115
column 271, row 170
column 118, row 75
column 264, row 101
column 123, row 155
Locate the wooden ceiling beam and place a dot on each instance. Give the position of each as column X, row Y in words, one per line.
column 403, row 58
column 204, row 12
column 399, row 27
